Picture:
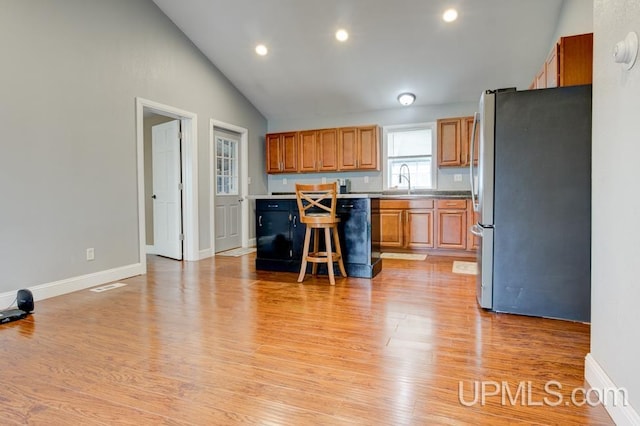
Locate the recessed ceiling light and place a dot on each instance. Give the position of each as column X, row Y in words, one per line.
column 406, row 98
column 261, row 49
column 342, row 35
column 450, row 15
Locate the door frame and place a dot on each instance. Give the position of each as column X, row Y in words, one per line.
column 189, row 159
column 244, row 187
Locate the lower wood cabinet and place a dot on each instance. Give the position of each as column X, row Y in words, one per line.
column 419, row 228
column 406, row 224
column 392, row 226
column 452, row 224
column 427, row 224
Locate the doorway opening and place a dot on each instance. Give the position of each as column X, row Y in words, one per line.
column 148, row 110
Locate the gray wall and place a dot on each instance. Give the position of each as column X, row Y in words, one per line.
column 576, row 17
column 408, row 115
column 71, row 70
column 615, row 346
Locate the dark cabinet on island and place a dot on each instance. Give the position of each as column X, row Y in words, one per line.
column 280, row 235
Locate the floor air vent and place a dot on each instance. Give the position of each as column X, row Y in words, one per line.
column 107, row 287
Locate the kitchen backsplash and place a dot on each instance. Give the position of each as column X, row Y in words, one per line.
column 447, row 180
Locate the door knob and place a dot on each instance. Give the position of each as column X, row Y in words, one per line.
column 153, row 196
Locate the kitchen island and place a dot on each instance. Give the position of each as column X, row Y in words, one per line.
column 280, row 235
column 434, row 222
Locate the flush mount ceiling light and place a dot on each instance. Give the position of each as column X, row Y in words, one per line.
column 261, row 50
column 406, row 98
column 342, row 35
column 450, row 15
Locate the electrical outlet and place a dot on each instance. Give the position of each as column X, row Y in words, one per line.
column 366, row 179
column 324, row 180
column 249, row 180
column 284, row 181
column 91, row 255
column 457, row 178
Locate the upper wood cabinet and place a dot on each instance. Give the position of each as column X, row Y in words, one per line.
column 323, row 150
column 467, row 133
column 358, row 148
column 282, row 152
column 318, row 150
column 449, row 142
column 454, row 138
column 570, row 63
column 327, row 150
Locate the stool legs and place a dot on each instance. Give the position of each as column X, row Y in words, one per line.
column 327, row 243
column 305, row 254
column 328, row 256
column 316, row 243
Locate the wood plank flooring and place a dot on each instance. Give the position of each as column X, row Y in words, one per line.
column 217, row 342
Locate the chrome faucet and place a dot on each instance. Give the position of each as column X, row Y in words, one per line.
column 407, row 176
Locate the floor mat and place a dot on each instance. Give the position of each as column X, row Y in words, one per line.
column 403, row 256
column 237, row 252
column 469, row 268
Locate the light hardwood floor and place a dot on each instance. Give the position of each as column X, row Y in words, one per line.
column 217, row 342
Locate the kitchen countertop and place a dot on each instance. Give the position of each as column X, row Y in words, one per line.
column 384, row 194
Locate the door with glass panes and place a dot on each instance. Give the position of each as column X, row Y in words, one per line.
column 227, row 199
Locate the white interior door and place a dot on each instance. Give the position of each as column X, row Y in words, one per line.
column 167, row 200
column 227, row 214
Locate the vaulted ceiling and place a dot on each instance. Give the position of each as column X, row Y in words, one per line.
column 393, row 47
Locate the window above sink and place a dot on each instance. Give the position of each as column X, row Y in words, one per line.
column 408, row 157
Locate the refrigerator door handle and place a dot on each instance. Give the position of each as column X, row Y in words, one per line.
column 476, row 230
column 472, row 149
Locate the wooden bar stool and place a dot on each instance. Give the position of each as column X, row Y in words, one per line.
column 317, row 206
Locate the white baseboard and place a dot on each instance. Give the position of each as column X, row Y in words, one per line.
column 58, row 288
column 598, row 379
column 252, row 242
column 205, row 253
column 151, row 249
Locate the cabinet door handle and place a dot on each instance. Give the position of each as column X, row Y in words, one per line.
column 346, row 206
column 260, row 220
column 272, row 206
column 295, row 219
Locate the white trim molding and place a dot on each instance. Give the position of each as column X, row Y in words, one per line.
column 244, row 189
column 189, row 128
column 206, row 253
column 58, row 288
column 598, row 379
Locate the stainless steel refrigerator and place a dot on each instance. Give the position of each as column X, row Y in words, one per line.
column 532, row 192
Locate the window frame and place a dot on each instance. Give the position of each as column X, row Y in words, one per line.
column 434, row 150
column 232, row 178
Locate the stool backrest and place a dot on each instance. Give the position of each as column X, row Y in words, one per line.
column 317, row 203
